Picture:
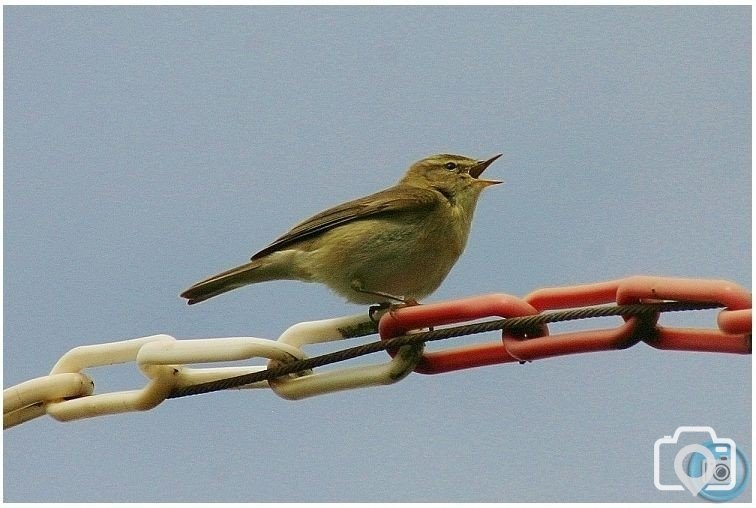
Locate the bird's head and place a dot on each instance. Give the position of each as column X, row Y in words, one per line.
column 455, row 176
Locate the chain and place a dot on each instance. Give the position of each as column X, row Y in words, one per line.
column 521, row 324
column 67, row 393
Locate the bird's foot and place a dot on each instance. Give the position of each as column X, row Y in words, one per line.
column 375, row 312
column 409, row 302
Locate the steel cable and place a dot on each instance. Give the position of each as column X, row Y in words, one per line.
column 520, row 324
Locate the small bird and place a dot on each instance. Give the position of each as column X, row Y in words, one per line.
column 397, row 245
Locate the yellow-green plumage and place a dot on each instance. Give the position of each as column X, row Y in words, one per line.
column 401, row 241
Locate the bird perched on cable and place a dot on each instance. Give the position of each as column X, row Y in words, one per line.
column 396, row 245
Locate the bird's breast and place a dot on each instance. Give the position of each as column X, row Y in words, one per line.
column 405, row 255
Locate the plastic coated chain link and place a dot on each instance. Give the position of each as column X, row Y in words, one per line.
column 67, row 393
column 733, row 335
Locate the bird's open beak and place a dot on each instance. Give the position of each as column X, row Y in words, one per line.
column 478, row 169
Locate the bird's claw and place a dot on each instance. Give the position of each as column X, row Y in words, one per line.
column 375, row 312
column 407, row 302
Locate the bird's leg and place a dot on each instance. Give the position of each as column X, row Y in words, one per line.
column 375, row 309
column 360, row 288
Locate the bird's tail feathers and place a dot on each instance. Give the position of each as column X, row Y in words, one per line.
column 222, row 282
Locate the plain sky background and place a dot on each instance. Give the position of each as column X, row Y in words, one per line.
column 146, row 148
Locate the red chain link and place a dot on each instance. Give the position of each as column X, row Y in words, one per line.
column 734, row 337
column 733, row 334
column 401, row 321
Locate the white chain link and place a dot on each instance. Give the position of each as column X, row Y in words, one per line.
column 326, row 330
column 68, row 394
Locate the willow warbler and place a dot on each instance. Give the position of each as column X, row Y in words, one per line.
column 398, row 244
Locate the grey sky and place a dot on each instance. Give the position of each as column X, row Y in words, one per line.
column 146, row 148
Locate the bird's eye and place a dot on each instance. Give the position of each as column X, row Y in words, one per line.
column 450, row 165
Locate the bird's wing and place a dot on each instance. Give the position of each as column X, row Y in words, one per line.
column 393, row 200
